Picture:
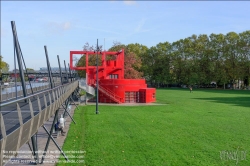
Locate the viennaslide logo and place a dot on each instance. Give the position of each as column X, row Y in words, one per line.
column 233, row 155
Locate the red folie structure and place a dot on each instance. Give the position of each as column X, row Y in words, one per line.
column 112, row 87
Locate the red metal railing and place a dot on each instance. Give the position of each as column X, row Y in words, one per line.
column 109, row 93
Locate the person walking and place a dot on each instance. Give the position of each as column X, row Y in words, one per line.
column 191, row 89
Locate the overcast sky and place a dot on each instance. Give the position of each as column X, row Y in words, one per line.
column 64, row 26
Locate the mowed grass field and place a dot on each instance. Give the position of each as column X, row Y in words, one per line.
column 206, row 127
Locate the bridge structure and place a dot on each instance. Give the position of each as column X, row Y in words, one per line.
column 23, row 115
column 20, row 119
column 33, row 75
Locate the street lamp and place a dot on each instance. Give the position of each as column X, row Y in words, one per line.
column 97, row 50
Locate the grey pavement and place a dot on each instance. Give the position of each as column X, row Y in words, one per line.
column 127, row 104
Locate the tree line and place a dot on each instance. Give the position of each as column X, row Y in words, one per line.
column 195, row 60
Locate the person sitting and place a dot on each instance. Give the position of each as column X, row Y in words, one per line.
column 59, row 128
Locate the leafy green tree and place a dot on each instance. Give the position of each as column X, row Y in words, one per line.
column 138, row 49
column 217, row 44
column 4, row 67
column 163, row 63
column 180, row 63
column 244, row 52
column 91, row 60
column 132, row 61
column 148, row 62
column 30, row 70
column 231, row 56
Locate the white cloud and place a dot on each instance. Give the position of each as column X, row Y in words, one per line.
column 140, row 25
column 3, row 32
column 130, row 2
column 98, row 29
column 56, row 27
column 66, row 25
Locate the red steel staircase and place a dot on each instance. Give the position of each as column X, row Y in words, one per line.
column 110, row 94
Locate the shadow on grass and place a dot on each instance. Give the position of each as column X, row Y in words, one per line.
column 238, row 101
column 226, row 91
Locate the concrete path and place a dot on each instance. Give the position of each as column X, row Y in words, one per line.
column 126, row 104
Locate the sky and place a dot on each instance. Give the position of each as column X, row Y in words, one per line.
column 64, row 26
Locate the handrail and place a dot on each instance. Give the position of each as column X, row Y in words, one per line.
column 116, row 97
column 12, row 95
column 113, row 95
column 33, row 95
column 109, row 91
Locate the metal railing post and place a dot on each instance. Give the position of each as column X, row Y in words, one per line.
column 66, row 71
column 60, row 69
column 55, row 143
column 0, row 93
column 50, row 134
column 48, row 67
column 18, row 55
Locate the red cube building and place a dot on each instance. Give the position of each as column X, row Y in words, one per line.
column 112, row 86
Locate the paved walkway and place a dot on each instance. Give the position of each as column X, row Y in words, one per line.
column 52, row 155
column 124, row 104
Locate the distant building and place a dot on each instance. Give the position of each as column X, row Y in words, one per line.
column 17, row 71
column 53, row 69
column 13, row 75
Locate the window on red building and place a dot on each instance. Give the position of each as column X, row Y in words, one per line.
column 153, row 95
column 113, row 76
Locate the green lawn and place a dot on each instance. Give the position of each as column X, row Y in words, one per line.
column 200, row 128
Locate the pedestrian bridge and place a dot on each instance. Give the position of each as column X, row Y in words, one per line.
column 21, row 118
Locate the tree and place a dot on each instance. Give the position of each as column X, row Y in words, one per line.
column 30, row 70
column 148, row 62
column 244, row 51
column 91, row 60
column 204, row 54
column 231, row 56
column 179, row 66
column 117, row 46
column 87, row 47
column 138, row 49
column 4, row 67
column 132, row 62
column 217, row 45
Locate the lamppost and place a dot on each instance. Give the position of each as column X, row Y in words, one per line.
column 97, row 51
